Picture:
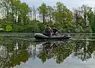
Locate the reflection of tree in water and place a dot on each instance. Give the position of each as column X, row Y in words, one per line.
column 15, row 53
column 83, row 49
column 46, row 52
column 55, row 50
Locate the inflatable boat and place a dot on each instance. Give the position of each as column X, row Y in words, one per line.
column 42, row 36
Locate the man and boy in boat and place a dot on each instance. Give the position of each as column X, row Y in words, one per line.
column 50, row 31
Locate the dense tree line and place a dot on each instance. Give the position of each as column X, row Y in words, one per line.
column 17, row 16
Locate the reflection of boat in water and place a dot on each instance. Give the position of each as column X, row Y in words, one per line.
column 41, row 36
column 59, row 50
column 52, row 42
column 50, row 45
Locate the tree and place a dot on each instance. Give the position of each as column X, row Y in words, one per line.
column 23, row 10
column 34, row 13
column 50, row 12
column 91, row 18
column 63, row 16
column 82, row 19
column 15, row 10
column 43, row 11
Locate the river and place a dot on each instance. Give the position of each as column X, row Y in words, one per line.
column 22, row 51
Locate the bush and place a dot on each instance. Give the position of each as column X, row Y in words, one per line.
column 33, row 27
column 41, row 27
column 8, row 28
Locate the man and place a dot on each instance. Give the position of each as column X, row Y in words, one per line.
column 48, row 31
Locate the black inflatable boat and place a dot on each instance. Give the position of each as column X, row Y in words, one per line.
column 42, row 36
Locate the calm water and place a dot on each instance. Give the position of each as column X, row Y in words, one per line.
column 21, row 51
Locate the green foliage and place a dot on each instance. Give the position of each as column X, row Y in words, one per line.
column 83, row 19
column 41, row 27
column 24, row 8
column 63, row 17
column 50, row 13
column 43, row 8
column 92, row 21
column 1, row 38
column 43, row 11
column 33, row 27
column 8, row 28
column 18, row 14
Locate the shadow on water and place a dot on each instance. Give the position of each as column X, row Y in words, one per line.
column 15, row 51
